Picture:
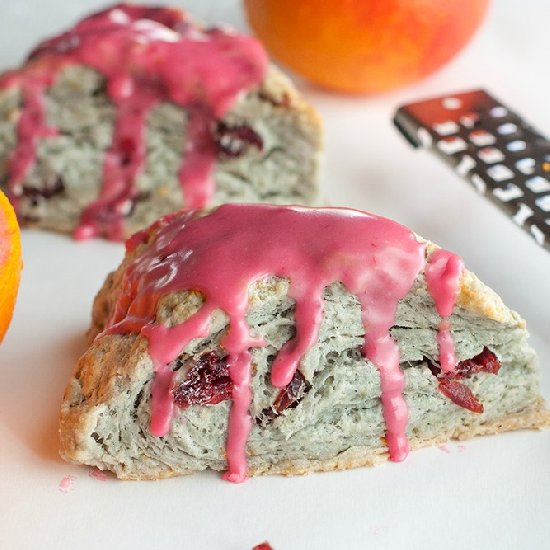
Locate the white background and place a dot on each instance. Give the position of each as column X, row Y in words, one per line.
column 492, row 492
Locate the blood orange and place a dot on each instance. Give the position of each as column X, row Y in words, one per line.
column 364, row 46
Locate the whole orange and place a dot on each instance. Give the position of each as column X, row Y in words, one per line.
column 364, row 46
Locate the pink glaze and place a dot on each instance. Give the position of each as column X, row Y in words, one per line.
column 99, row 475
column 66, row 484
column 221, row 254
column 446, row 346
column 200, row 160
column 31, row 127
column 443, row 272
column 147, row 55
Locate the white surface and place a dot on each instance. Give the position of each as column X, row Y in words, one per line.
column 492, row 493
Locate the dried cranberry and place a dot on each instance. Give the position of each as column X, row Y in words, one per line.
column 459, row 394
column 207, row 383
column 263, row 546
column 26, row 220
column 290, row 396
column 287, row 398
column 486, row 361
column 234, row 141
column 46, row 192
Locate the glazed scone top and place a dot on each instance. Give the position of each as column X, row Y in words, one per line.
column 219, row 255
column 147, row 55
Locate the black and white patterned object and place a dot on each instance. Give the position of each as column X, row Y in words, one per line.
column 503, row 157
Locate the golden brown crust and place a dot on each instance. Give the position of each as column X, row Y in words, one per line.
column 93, row 384
column 480, row 299
column 280, row 89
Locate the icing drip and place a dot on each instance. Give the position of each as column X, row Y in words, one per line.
column 66, row 484
column 121, row 165
column 200, row 154
column 443, row 272
column 221, row 254
column 31, row 127
column 147, row 55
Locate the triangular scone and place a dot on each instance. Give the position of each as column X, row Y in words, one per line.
column 201, row 302
column 137, row 111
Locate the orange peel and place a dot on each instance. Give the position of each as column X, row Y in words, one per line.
column 364, row 46
column 10, row 262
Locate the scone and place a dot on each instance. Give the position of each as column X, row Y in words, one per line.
column 271, row 339
column 136, row 112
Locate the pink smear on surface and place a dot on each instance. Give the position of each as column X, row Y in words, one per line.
column 66, row 484
column 444, row 448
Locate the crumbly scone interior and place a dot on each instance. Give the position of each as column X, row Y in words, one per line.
column 67, row 174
